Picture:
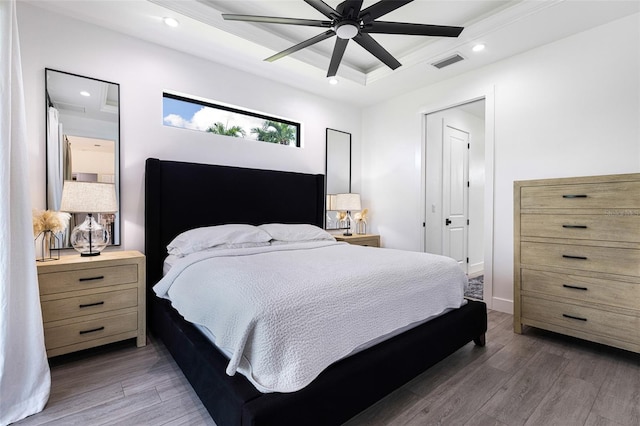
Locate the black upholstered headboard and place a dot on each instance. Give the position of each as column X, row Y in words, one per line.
column 181, row 196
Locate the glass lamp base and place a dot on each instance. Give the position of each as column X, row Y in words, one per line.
column 89, row 238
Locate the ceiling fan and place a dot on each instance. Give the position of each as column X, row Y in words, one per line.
column 348, row 21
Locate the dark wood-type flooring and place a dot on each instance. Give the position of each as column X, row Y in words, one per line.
column 538, row 378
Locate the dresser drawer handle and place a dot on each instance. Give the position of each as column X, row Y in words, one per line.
column 574, row 196
column 86, row 305
column 575, row 226
column 567, row 256
column 92, row 330
column 574, row 287
column 575, row 318
column 99, row 277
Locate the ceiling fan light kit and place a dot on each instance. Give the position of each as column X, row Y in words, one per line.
column 348, row 21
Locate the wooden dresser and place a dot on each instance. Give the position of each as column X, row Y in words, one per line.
column 91, row 301
column 360, row 239
column 577, row 257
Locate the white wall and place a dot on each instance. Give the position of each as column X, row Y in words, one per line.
column 143, row 71
column 568, row 108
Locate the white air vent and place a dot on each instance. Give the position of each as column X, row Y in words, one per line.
column 448, row 61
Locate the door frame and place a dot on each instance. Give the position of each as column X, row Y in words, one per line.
column 451, row 101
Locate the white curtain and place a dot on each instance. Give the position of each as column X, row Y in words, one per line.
column 24, row 372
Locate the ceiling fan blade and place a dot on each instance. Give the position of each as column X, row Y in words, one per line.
column 299, row 46
column 350, row 9
column 366, row 41
column 323, row 8
column 381, row 8
column 336, row 57
column 276, row 20
column 381, row 27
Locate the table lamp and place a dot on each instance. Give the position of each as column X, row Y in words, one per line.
column 90, row 237
column 348, row 202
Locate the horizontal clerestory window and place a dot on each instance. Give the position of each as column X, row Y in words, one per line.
column 222, row 119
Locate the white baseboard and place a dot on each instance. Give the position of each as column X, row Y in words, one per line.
column 475, row 269
column 502, row 305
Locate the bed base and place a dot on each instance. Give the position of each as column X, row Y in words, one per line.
column 339, row 393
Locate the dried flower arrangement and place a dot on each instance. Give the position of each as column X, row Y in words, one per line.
column 47, row 220
column 361, row 216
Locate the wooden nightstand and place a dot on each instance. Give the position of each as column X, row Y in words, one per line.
column 370, row 240
column 91, row 301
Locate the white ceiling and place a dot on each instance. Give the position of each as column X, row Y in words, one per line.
column 505, row 27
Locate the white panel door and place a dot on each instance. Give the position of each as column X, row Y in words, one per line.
column 455, row 194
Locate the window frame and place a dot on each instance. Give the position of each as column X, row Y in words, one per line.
column 236, row 110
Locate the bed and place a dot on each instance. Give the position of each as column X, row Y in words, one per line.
column 181, row 196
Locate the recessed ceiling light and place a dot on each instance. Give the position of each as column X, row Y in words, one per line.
column 478, row 47
column 333, row 81
column 171, row 22
column 85, row 93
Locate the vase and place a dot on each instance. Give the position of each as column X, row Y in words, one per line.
column 47, row 247
column 361, row 227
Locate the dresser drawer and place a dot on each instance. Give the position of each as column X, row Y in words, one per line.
column 582, row 318
column 582, row 227
column 586, row 258
column 72, row 307
column 583, row 289
column 83, row 331
column 79, row 279
column 622, row 195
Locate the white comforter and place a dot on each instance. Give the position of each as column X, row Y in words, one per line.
column 284, row 313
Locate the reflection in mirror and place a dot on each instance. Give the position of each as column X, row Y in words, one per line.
column 338, row 173
column 83, row 140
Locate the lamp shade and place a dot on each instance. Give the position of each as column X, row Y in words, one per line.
column 88, row 197
column 347, row 202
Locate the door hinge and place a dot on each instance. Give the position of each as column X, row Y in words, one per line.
column 467, row 221
column 424, row 224
column 468, row 184
column 468, row 146
column 467, row 260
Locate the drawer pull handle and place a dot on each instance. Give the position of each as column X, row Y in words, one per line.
column 92, row 330
column 86, row 305
column 99, row 277
column 574, row 287
column 575, row 226
column 575, row 318
column 574, row 196
column 566, row 256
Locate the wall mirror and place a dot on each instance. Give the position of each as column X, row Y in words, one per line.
column 338, row 172
column 83, row 140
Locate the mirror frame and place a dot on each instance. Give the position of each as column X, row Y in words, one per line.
column 335, row 154
column 50, row 151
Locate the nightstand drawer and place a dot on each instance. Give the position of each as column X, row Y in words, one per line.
column 71, row 280
column 587, row 258
column 582, row 318
column 579, row 196
column 370, row 240
column 582, row 227
column 72, row 307
column 582, row 288
column 83, row 331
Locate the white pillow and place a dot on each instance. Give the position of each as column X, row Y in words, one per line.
column 296, row 233
column 232, row 235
